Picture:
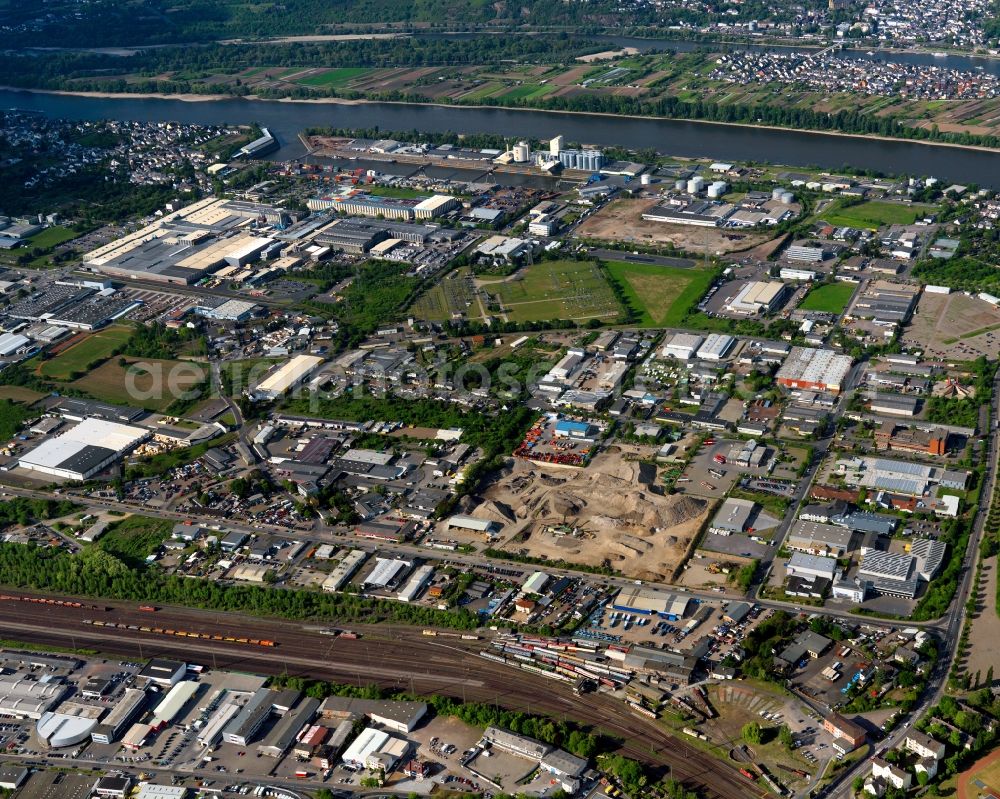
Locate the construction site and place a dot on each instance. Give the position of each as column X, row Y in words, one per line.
column 610, row 514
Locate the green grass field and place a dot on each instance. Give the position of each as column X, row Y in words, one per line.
column 80, row 357
column 52, row 236
column 874, row 214
column 528, row 91
column 132, row 539
column 151, row 390
column 334, row 77
column 661, row 294
column 398, row 192
column 20, row 394
column 556, row 290
column 830, row 298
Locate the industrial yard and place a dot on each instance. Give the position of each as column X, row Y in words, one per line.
column 621, row 220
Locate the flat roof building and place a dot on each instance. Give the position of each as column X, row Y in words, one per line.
column 716, row 347
column 757, row 297
column 287, row 376
column 814, row 370
column 802, row 565
column 241, row 730
column 77, row 455
column 682, row 346
column 734, row 516
column 815, row 538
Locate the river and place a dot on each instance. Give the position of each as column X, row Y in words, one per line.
column 672, row 137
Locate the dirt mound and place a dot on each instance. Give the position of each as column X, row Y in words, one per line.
column 604, row 513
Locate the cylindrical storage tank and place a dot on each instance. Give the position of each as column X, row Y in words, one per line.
column 680, row 185
column 776, row 193
column 787, row 197
column 522, row 152
column 694, row 185
column 646, row 179
column 714, row 192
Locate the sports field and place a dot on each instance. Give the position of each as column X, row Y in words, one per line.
column 874, row 214
column 829, row 298
column 555, row 290
column 981, row 779
column 661, row 294
column 334, row 77
column 153, row 389
column 80, row 357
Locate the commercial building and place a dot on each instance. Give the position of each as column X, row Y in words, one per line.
column 814, row 538
column 174, row 702
column 892, row 436
column 438, row 205
column 801, row 564
column 682, row 346
column 59, row 730
column 284, row 733
column 387, row 573
column 516, row 744
column 287, row 376
column 504, row 248
column 241, row 730
column 344, row 570
column 155, row 790
column 847, row 735
column 165, row 673
column 652, row 602
column 891, row 573
column 74, row 455
column 399, row 716
column 716, row 347
column 757, row 297
column 417, row 582
column 121, row 717
column 734, row 516
column 22, row 698
column 814, row 370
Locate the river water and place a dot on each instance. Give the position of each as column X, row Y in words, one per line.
column 673, row 137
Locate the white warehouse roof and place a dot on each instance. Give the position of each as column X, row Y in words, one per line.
column 85, row 449
column 286, row 376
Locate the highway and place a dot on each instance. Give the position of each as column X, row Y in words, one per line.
column 392, row 656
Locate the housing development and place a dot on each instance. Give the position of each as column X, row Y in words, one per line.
column 419, row 465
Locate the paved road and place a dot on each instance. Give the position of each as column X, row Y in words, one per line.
column 950, row 625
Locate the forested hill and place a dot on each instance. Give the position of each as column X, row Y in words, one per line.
column 106, row 23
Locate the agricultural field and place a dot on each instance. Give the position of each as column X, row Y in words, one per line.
column 828, row 298
column 153, row 387
column 80, row 357
column 334, row 78
column 661, row 294
column 874, row 214
column 454, row 294
column 547, row 290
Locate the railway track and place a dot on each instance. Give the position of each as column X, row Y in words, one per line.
column 388, row 655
